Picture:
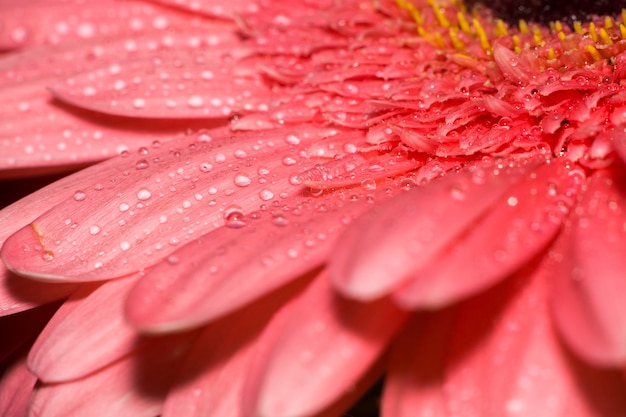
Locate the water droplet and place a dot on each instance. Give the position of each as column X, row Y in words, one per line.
column 94, row 230
column 368, row 184
column 142, row 164
column 143, row 194
column 242, row 180
column 124, row 207
column 234, row 217
column 79, row 195
column 47, row 256
column 125, row 245
column 205, row 167
column 139, row 103
column 266, row 195
column 512, row 201
column 279, row 220
column 195, row 102
column 457, row 192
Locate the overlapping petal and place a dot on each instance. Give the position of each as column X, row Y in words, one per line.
column 589, row 272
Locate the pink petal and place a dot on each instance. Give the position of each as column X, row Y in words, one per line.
column 415, row 374
column 325, row 346
column 132, row 387
column 170, row 85
column 589, row 277
column 396, row 239
column 16, row 293
column 517, row 226
column 209, row 280
column 88, row 333
column 16, row 386
column 500, row 358
column 211, row 378
column 508, row 349
column 38, row 22
column 38, row 132
column 115, row 224
column 215, row 8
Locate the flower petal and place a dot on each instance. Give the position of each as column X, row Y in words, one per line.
column 38, row 22
column 326, row 344
column 500, row 358
column 131, row 387
column 16, row 386
column 169, row 84
column 587, row 309
column 87, row 333
column 415, row 374
column 134, row 211
column 510, row 233
column 396, row 239
column 209, row 280
column 218, row 362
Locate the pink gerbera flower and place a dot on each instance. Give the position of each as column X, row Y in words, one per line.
column 305, row 198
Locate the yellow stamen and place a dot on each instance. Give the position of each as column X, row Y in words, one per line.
column 441, row 18
column 604, row 35
column 482, row 35
column 593, row 52
column 608, row 22
column 624, row 16
column 523, row 27
column 438, row 39
column 456, row 42
column 538, row 36
column 500, row 30
column 561, row 35
column 592, row 32
column 551, row 54
column 578, row 28
column 622, row 31
column 463, row 24
column 558, row 26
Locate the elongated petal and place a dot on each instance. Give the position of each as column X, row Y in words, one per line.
column 131, row 387
column 325, row 346
column 41, row 135
column 16, row 386
column 211, row 378
column 501, row 357
column 516, row 358
column 395, row 240
column 115, row 224
column 205, row 279
column 41, row 22
column 65, row 351
column 590, row 274
column 170, row 85
column 510, row 233
column 415, row 375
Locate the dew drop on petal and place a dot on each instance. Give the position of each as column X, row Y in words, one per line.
column 205, row 167
column 139, row 103
column 242, row 180
column 79, row 195
column 47, row 256
column 280, row 220
column 195, row 102
column 234, row 217
column 143, row 194
column 142, row 164
column 124, row 207
column 125, row 245
column 94, row 230
column 368, row 184
column 266, row 195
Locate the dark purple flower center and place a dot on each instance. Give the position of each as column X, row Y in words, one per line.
column 546, row 11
